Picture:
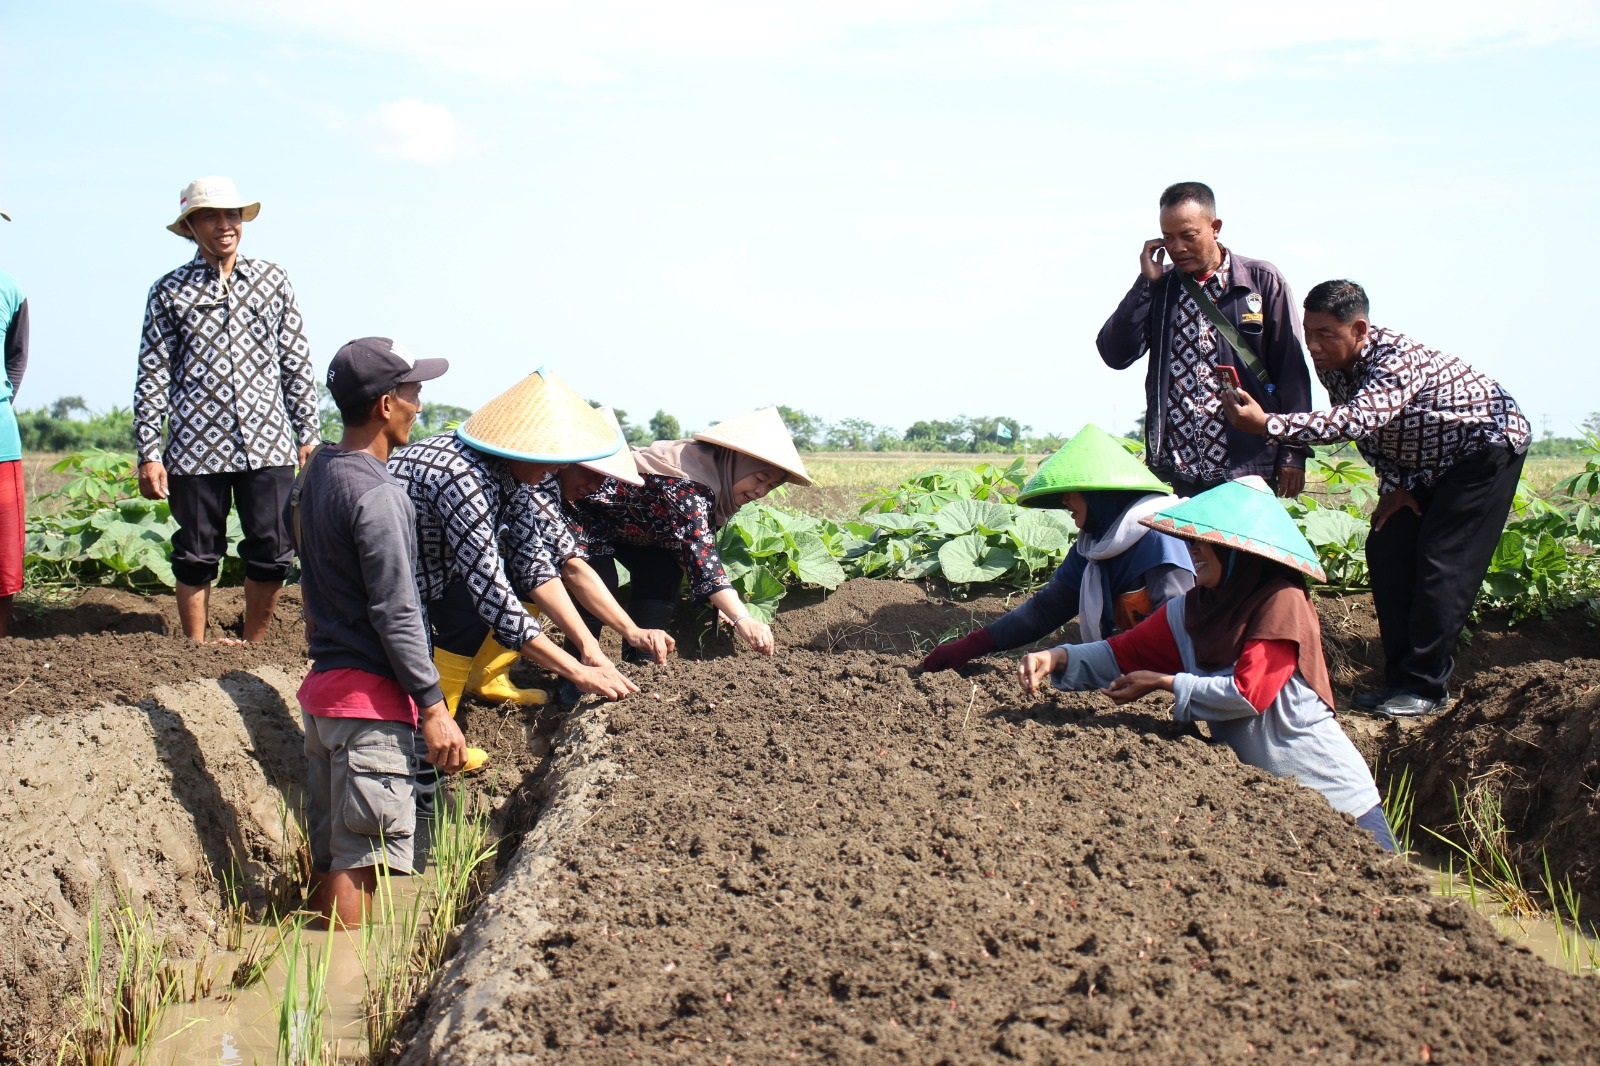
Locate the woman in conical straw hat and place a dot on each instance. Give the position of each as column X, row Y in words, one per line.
column 666, row 528
column 1242, row 651
column 541, row 547
column 1118, row 570
column 461, row 484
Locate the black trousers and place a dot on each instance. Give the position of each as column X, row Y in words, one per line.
column 655, row 576
column 1426, row 569
column 457, row 627
column 200, row 504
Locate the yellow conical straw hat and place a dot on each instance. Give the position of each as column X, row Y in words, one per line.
column 763, row 435
column 619, row 464
column 541, row 420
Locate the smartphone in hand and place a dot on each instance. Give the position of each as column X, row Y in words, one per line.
column 1230, row 380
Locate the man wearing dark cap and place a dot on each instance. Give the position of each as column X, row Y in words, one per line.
column 372, row 685
column 1206, row 314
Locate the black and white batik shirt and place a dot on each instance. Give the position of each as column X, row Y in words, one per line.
column 1414, row 412
column 461, row 497
column 536, row 538
column 227, row 366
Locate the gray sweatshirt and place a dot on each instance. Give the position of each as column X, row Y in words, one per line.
column 358, row 550
column 1296, row 736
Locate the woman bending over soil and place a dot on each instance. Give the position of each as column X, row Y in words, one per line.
column 1242, row 651
column 666, row 528
column 1118, row 570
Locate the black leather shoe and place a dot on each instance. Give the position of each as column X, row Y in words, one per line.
column 1368, row 699
column 1406, row 705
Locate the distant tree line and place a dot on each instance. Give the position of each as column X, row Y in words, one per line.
column 68, row 425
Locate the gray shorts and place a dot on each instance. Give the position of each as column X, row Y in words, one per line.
column 361, row 788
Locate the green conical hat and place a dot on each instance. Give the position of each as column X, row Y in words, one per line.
column 1094, row 459
column 1242, row 514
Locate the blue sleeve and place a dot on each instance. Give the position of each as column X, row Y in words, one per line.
column 1045, row 611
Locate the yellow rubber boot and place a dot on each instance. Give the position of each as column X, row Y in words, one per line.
column 490, row 678
column 453, row 673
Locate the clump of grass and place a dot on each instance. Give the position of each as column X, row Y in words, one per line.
column 1486, row 853
column 117, row 1023
column 1399, row 807
column 404, row 945
column 303, row 1007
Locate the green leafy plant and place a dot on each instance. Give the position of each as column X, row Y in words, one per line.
column 96, row 529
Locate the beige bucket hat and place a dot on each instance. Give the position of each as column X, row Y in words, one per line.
column 618, row 464
column 763, row 435
column 541, row 419
column 215, row 192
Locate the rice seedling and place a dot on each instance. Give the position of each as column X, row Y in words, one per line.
column 123, row 1016
column 461, row 848
column 1399, row 807
column 406, row 942
column 257, row 959
column 1486, row 852
column 140, row 993
column 388, row 959
column 303, row 1006
column 90, row 1041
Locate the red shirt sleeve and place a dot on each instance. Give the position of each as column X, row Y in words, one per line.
column 1148, row 646
column 1264, row 667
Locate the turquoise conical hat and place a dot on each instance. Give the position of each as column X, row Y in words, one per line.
column 1242, row 514
column 1093, row 459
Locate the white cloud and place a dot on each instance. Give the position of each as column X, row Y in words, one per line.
column 593, row 40
column 419, row 131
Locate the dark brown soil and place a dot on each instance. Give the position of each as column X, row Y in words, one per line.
column 114, row 646
column 826, row 857
column 1528, row 735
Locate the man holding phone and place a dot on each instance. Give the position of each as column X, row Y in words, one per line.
column 1211, row 321
column 1447, row 443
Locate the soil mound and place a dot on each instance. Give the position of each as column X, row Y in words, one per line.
column 1530, row 736
column 116, row 647
column 832, row 857
column 157, row 803
column 894, row 616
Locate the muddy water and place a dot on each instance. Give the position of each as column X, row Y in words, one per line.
column 238, row 1027
column 1542, row 936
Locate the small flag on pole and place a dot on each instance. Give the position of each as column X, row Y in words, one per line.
column 1003, row 431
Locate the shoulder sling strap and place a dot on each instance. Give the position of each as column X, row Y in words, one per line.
column 1246, row 354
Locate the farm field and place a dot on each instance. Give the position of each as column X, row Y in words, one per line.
column 827, row 856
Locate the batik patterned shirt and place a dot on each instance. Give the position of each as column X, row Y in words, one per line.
column 665, row 512
column 1414, row 412
column 227, row 367
column 461, row 496
column 1197, row 428
column 536, row 538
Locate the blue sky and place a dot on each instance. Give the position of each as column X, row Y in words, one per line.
column 882, row 209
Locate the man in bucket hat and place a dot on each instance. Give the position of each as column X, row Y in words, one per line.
column 225, row 365
column 372, row 692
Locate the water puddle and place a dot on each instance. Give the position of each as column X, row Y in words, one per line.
column 241, row 1026
column 1556, row 943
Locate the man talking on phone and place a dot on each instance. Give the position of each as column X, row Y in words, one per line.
column 1206, row 312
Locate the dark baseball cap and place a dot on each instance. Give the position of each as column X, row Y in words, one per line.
column 371, row 366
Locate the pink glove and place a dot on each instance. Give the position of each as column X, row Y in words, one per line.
column 958, row 652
